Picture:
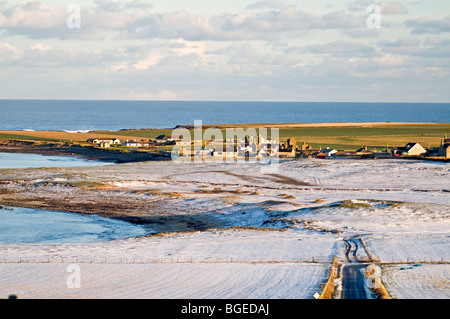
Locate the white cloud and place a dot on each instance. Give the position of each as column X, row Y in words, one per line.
column 125, row 49
column 141, row 94
column 342, row 48
column 40, row 47
column 429, row 26
column 9, row 53
column 389, row 7
column 40, row 20
column 32, row 14
column 392, row 7
column 265, row 4
column 389, row 59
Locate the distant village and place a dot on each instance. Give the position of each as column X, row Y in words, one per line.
column 260, row 147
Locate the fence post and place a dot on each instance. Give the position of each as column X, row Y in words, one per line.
column 329, row 287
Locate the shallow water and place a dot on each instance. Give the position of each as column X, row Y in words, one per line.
column 22, row 160
column 25, row 225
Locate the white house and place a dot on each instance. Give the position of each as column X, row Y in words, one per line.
column 205, row 153
column 411, row 149
column 328, row 151
column 129, row 143
column 103, row 140
column 183, row 142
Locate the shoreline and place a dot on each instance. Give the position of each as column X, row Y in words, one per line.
column 86, row 152
column 305, row 125
column 118, row 156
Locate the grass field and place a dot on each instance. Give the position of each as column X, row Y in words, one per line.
column 428, row 135
column 340, row 136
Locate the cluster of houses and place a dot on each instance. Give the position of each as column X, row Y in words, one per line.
column 415, row 149
column 258, row 147
column 249, row 147
column 105, row 143
column 409, row 150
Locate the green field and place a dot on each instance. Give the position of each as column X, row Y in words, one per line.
column 345, row 138
column 5, row 136
column 349, row 137
column 373, row 137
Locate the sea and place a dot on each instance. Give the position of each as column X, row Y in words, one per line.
column 23, row 160
column 28, row 225
column 81, row 115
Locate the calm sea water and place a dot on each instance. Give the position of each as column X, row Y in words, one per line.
column 25, row 225
column 20, row 160
column 116, row 115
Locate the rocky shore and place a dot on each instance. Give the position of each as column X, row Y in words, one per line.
column 157, row 211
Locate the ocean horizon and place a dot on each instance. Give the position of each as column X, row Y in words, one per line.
column 90, row 115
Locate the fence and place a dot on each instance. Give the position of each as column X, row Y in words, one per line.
column 408, row 260
column 328, row 290
column 144, row 260
column 423, row 260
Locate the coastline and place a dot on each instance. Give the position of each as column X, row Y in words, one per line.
column 210, row 219
column 86, row 152
column 345, row 136
column 87, row 195
column 306, row 125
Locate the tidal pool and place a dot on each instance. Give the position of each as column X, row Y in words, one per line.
column 26, row 225
column 23, row 160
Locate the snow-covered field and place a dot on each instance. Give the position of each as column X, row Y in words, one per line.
column 165, row 281
column 423, row 282
column 305, row 208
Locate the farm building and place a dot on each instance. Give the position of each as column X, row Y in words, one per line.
column 444, row 149
column 134, row 143
column 328, row 151
column 161, row 139
column 321, row 155
column 411, row 149
column 103, row 140
column 288, row 149
column 363, row 150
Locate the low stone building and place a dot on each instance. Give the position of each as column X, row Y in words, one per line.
column 444, row 149
column 288, row 149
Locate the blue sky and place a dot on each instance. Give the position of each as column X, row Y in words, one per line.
column 268, row 50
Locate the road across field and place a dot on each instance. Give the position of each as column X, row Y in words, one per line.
column 353, row 281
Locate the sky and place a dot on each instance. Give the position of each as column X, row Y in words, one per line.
column 234, row 50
